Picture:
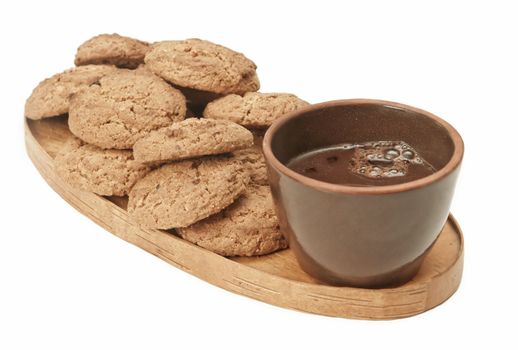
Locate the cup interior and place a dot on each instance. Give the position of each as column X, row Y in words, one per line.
column 363, row 121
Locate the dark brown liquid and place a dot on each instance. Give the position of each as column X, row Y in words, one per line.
column 378, row 163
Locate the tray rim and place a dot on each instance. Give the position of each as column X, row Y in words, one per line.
column 249, row 286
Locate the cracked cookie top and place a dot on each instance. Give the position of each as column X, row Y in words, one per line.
column 108, row 172
column 113, row 49
column 122, row 107
column 52, row 96
column 247, row 227
column 203, row 65
column 254, row 109
column 180, row 193
column 254, row 162
column 192, row 138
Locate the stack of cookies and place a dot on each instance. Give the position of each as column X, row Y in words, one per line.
column 177, row 127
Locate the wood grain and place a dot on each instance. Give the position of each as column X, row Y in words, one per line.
column 275, row 278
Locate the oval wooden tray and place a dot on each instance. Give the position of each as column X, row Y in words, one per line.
column 275, row 278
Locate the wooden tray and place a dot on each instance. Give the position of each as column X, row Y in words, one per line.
column 275, row 278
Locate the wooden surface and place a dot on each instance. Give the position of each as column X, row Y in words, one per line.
column 275, row 278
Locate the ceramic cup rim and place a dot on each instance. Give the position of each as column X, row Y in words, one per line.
column 452, row 164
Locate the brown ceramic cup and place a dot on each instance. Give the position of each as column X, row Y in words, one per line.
column 368, row 237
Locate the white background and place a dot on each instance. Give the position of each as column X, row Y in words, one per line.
column 68, row 284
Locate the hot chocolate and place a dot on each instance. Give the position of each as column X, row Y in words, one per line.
column 375, row 163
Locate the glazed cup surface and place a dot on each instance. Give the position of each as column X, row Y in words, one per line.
column 374, row 236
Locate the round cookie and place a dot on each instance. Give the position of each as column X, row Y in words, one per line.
column 202, row 65
column 122, row 107
column 113, row 49
column 253, row 161
column 90, row 168
column 254, row 109
column 191, row 138
column 181, row 193
column 248, row 227
column 52, row 96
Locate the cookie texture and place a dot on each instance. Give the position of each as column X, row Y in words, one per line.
column 90, row 168
column 52, row 96
column 181, row 193
column 253, row 160
column 192, row 138
column 247, row 227
column 113, row 49
column 254, row 109
column 202, row 65
column 122, row 107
